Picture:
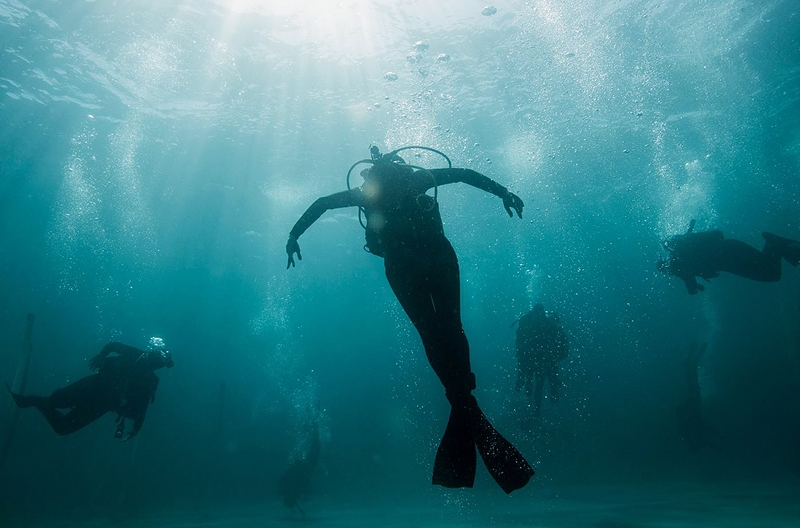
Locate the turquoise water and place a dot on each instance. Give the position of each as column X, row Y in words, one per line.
column 155, row 155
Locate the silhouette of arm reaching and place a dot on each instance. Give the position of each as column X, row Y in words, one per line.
column 118, row 348
column 484, row 183
column 338, row 200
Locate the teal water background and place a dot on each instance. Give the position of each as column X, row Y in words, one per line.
column 155, row 154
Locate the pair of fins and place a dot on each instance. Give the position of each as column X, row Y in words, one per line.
column 456, row 461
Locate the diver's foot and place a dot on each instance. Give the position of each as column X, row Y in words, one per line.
column 506, row 465
column 772, row 238
column 456, row 459
column 792, row 254
column 21, row 401
column 790, row 249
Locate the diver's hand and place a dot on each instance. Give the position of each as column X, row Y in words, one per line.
column 512, row 201
column 129, row 436
column 96, row 362
column 292, row 247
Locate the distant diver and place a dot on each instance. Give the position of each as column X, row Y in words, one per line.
column 692, row 427
column 403, row 225
column 707, row 253
column 295, row 483
column 541, row 345
column 125, row 384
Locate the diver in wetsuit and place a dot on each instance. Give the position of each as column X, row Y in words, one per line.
column 124, row 383
column 707, row 253
column 692, row 427
column 404, row 227
column 541, row 345
column 296, row 480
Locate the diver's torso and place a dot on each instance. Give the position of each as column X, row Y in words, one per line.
column 128, row 386
column 697, row 254
column 400, row 216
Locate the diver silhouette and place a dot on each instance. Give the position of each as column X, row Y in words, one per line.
column 124, row 383
column 707, row 253
column 295, row 482
column 541, row 345
column 692, row 426
column 403, row 225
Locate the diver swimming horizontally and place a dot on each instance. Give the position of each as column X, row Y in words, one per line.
column 124, row 383
column 403, row 225
column 705, row 254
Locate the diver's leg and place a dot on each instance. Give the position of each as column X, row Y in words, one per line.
column 520, row 380
column 80, row 392
column 693, row 380
column 456, row 460
column 746, row 261
column 537, row 393
column 78, row 418
column 554, row 381
column 451, row 362
column 411, row 290
column 24, row 401
column 85, row 397
column 505, row 464
column 788, row 249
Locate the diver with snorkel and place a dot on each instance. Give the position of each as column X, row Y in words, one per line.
column 403, row 225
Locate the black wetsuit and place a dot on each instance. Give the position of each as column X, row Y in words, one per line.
column 125, row 384
column 405, row 228
column 707, row 253
column 692, row 427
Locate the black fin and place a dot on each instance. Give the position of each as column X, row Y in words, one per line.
column 789, row 248
column 506, row 465
column 456, row 460
column 20, row 400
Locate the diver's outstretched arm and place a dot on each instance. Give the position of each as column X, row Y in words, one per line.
column 692, row 286
column 119, row 348
column 349, row 198
column 484, row 183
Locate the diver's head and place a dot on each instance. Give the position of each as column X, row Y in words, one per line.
column 158, row 355
column 538, row 310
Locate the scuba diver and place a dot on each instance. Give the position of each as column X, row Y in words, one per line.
column 403, row 225
column 295, row 482
column 692, row 427
column 541, row 345
column 124, row 383
column 707, row 253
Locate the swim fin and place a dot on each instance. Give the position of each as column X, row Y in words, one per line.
column 506, row 465
column 456, row 461
column 790, row 249
column 20, row 400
